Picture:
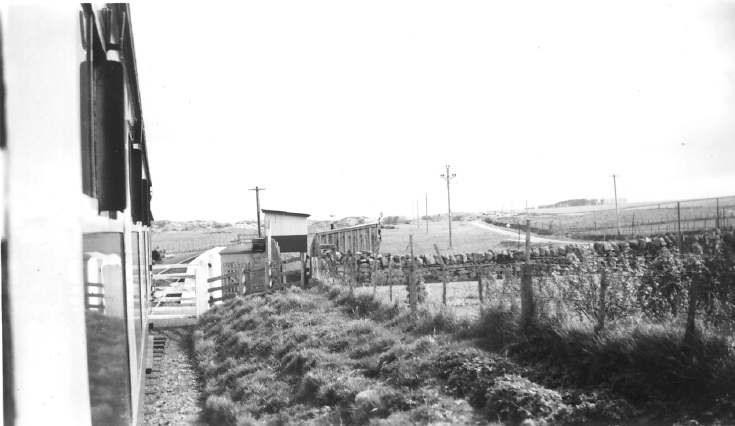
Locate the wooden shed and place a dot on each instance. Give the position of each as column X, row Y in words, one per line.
column 289, row 229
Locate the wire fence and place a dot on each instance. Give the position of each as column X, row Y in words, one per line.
column 633, row 220
column 657, row 283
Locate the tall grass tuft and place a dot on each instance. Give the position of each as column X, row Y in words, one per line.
column 360, row 305
column 647, row 362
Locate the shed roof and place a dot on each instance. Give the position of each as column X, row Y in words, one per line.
column 284, row 213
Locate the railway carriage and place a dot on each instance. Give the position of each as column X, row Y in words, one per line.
column 76, row 257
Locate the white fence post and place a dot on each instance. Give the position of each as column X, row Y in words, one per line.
column 201, row 289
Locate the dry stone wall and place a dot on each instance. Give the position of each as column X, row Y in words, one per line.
column 628, row 254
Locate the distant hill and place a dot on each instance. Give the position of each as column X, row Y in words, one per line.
column 574, row 203
column 202, row 225
column 323, row 225
column 246, row 226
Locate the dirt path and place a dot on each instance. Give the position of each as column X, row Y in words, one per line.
column 173, row 390
column 514, row 234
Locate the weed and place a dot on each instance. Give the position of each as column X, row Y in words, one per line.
column 516, row 398
column 294, row 357
column 220, row 410
column 496, row 328
column 299, row 362
column 644, row 364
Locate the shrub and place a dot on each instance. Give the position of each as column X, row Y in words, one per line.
column 220, row 410
column 646, row 363
column 497, row 328
column 441, row 411
column 401, row 367
column 376, row 345
column 424, row 345
column 322, row 386
column 378, row 401
column 361, row 305
column 470, row 372
column 663, row 290
column 432, row 320
column 516, row 398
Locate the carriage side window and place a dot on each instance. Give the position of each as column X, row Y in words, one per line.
column 136, row 174
column 86, row 86
column 103, row 122
column 106, row 320
column 137, row 284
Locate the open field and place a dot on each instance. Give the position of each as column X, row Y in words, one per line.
column 176, row 242
column 635, row 218
column 467, row 237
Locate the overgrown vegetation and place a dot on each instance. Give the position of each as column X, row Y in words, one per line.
column 292, row 358
column 331, row 356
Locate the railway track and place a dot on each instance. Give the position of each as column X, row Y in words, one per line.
column 173, row 390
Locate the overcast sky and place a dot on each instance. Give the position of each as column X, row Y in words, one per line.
column 354, row 108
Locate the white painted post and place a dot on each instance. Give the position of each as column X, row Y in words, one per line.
column 268, row 253
column 201, row 289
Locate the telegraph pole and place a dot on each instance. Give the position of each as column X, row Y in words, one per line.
column 448, row 177
column 257, row 203
column 418, row 215
column 617, row 212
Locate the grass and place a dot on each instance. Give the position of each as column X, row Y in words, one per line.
column 642, row 363
column 462, row 297
column 647, row 362
column 192, row 241
column 293, row 358
column 328, row 356
column 638, row 218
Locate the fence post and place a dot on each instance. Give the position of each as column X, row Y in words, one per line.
column 445, row 277
column 356, row 271
column 508, row 288
column 201, row 288
column 390, row 277
column 527, row 303
column 347, row 274
column 302, row 262
column 678, row 223
column 602, row 308
column 250, row 274
column 240, row 284
column 691, row 328
column 632, row 226
column 374, row 267
column 490, row 280
column 479, row 284
column 411, row 281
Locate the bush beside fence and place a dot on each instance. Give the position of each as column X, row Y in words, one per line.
column 689, row 282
